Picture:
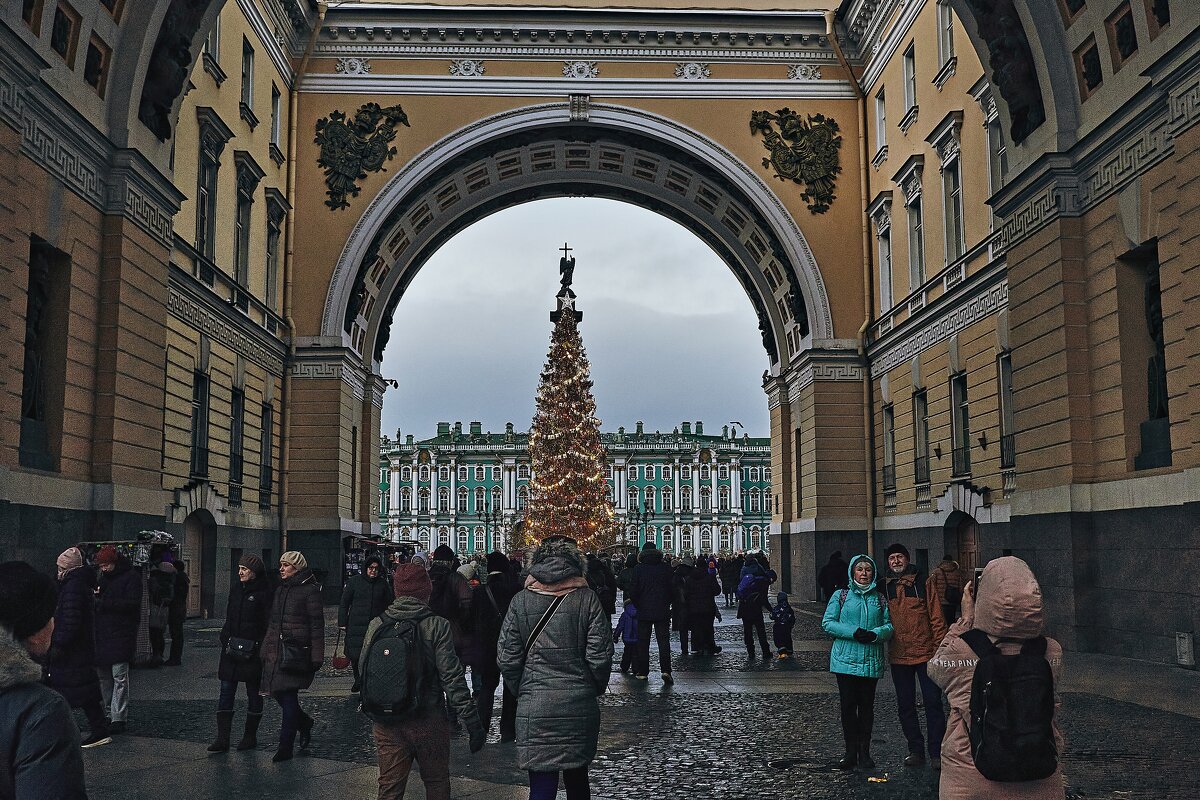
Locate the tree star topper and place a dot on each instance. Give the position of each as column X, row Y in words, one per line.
column 351, row 149
column 802, row 150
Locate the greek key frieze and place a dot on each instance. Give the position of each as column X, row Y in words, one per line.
column 202, row 319
column 942, row 328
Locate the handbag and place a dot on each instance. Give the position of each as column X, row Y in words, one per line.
column 158, row 616
column 295, row 657
column 241, row 649
column 342, row 661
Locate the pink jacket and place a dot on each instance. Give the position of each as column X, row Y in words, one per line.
column 1010, row 605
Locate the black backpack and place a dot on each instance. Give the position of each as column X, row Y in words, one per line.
column 1012, row 711
column 395, row 670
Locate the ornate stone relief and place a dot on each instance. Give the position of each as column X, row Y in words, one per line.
column 803, row 72
column 802, row 151
column 692, row 71
column 352, row 66
column 1012, row 63
column 467, row 68
column 581, row 69
column 352, row 148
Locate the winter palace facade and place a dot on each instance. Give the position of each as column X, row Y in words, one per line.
column 686, row 491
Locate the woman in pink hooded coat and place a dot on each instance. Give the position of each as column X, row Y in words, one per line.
column 1009, row 606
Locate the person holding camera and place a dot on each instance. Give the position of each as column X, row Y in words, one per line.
column 241, row 639
column 294, row 648
column 857, row 619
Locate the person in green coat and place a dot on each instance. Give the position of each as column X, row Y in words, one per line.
column 857, row 619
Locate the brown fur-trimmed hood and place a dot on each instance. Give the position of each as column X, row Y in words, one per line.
column 17, row 667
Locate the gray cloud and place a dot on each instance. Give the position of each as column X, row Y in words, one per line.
column 669, row 332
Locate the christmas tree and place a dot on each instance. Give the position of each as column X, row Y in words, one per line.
column 568, row 491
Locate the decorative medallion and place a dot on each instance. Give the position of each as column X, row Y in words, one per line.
column 804, row 72
column 581, row 69
column 467, row 68
column 803, row 151
column 352, row 148
column 352, row 66
column 692, row 71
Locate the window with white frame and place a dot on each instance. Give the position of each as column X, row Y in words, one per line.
column 633, row 497
column 423, row 501
column 481, row 542
column 686, row 542
column 462, row 500
column 706, row 540
column 880, row 121
column 480, row 474
column 910, row 78
column 423, row 538
column 444, row 500
column 756, row 537
column 648, row 472
column 444, row 536
column 766, row 474
column 522, row 497
column 685, row 473
column 952, row 203
column 406, row 474
column 945, row 40
column 685, row 499
column 496, row 474
column 631, row 469
column 668, row 499
column 667, row 473
column 523, row 472
column 705, row 472
column 726, row 539
column 479, row 500
column 424, row 477
column 650, row 498
column 723, row 472
column 463, row 544
column 754, row 501
column 723, row 498
column 916, row 245
column 754, row 474
column 668, row 539
column 705, row 498
column 497, row 499
column 462, row 473
column 406, row 500
column 276, row 114
column 444, row 474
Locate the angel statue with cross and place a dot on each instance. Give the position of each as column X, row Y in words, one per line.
column 566, row 272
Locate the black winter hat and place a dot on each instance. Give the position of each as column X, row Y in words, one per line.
column 443, row 553
column 27, row 598
column 648, row 546
column 896, row 548
column 498, row 562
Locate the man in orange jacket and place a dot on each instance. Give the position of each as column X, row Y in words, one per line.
column 915, row 606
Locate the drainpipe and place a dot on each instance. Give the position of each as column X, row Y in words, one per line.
column 285, row 417
column 868, row 290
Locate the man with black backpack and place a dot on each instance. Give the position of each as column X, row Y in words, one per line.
column 999, row 673
column 916, row 611
column 407, row 664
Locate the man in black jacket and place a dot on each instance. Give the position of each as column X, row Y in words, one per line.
column 38, row 737
column 651, row 591
column 118, row 612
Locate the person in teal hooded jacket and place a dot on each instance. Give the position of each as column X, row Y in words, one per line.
column 857, row 619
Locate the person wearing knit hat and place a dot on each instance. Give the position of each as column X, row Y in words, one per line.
column 915, row 607
column 451, row 600
column 422, row 735
column 241, row 638
column 651, row 590
column 364, row 598
column 293, row 649
column 70, row 662
column 118, row 617
column 38, row 736
column 491, row 603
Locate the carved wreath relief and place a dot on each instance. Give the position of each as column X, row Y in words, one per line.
column 352, row 148
column 802, row 150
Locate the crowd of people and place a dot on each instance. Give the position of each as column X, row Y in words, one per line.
column 539, row 629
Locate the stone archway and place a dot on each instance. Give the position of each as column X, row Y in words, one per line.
column 200, row 556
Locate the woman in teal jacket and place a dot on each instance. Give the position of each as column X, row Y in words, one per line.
column 857, row 619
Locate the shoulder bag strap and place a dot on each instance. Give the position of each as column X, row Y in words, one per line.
column 537, row 629
column 487, row 587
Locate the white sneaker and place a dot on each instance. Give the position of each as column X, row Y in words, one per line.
column 95, row 741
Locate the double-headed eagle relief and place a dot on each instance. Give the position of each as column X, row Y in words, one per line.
column 802, row 150
column 352, row 148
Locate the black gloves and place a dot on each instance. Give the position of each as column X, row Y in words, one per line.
column 865, row 636
column 478, row 737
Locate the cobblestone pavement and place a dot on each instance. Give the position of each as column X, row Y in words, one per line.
column 729, row 728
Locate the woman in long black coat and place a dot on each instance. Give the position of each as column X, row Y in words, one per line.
column 246, row 617
column 70, row 663
column 365, row 597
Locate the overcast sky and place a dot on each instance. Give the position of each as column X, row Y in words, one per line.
column 668, row 330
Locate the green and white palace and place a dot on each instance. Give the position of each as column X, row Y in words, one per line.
column 686, row 491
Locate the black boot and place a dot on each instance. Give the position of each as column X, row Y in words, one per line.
column 850, row 760
column 284, row 753
column 250, row 737
column 224, row 723
column 306, row 726
column 864, row 756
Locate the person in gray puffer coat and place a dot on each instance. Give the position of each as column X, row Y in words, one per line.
column 558, row 676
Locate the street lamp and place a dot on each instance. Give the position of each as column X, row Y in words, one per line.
column 490, row 517
column 640, row 517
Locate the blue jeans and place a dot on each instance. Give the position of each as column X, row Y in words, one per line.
column 544, row 785
column 289, row 704
column 904, row 678
column 254, row 700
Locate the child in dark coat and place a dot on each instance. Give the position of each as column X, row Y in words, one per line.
column 781, row 631
column 626, row 631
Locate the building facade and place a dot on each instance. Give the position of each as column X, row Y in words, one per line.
column 688, row 492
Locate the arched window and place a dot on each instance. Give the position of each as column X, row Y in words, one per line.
column 705, row 472
column 685, row 543
column 723, row 498
column 523, row 471
column 755, row 537
column 444, row 500
column 444, row 474
column 685, row 472
column 766, row 475
column 649, row 472
column 481, row 542
column 705, row 498
column 723, row 472
column 423, row 538
column 754, row 474
column 667, row 472
column 522, row 497
column 633, row 497
column 650, row 498
column 668, row 499
column 462, row 500
column 726, row 539
column 479, row 501
column 496, row 474
column 444, row 536
column 406, row 474
column 608, row 471
column 406, row 500
column 462, row 472
column 479, row 474
column 668, row 539
column 423, row 501
column 706, row 539
column 754, row 500
column 424, row 477
column 497, row 502
column 632, row 471
column 463, row 544
column 685, row 499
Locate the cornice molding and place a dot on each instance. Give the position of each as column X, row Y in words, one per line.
column 192, row 303
column 340, row 364
column 265, row 33
column 384, row 48
column 441, row 86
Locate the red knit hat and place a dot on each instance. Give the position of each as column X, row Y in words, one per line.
column 412, row 580
column 107, row 555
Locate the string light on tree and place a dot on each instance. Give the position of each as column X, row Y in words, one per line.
column 568, row 491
